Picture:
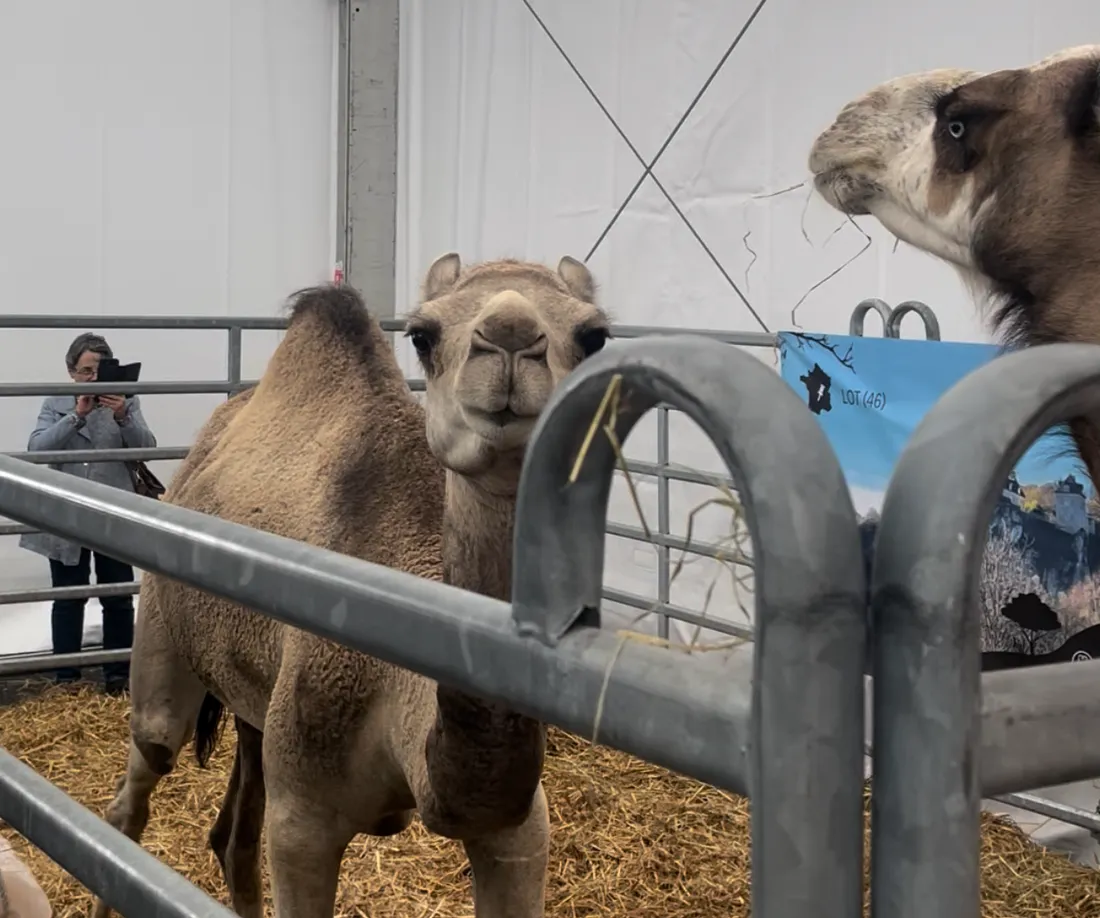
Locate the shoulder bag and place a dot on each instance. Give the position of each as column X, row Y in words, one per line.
column 145, row 482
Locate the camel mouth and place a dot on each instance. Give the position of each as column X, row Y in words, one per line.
column 843, row 191
column 499, row 420
column 502, row 418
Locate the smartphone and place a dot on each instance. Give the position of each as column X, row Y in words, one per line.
column 110, row 370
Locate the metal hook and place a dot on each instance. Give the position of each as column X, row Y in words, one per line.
column 928, row 317
column 859, row 315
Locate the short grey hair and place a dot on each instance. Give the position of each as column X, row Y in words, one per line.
column 88, row 341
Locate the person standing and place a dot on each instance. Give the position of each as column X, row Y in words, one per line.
column 82, row 423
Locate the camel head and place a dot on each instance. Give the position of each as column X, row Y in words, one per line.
column 494, row 340
column 991, row 171
column 880, row 156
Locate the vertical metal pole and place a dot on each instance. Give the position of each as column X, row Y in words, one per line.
column 233, row 357
column 926, row 808
column 664, row 584
column 343, row 69
column 373, row 59
column 806, row 752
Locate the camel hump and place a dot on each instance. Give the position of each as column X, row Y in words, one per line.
column 337, row 309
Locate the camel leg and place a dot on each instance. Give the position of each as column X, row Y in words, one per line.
column 235, row 837
column 305, row 847
column 509, row 866
column 165, row 697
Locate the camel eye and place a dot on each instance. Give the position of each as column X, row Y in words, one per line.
column 956, row 129
column 422, row 341
column 591, row 340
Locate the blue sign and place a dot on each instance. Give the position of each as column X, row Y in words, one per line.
column 1039, row 584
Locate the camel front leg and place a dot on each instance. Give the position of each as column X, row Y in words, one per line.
column 235, row 838
column 305, row 846
column 509, row 866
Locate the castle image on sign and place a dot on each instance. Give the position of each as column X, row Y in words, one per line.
column 1057, row 525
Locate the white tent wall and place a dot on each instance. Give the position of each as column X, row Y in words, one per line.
column 183, row 161
column 163, row 160
column 503, row 151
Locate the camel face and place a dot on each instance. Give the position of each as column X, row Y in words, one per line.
column 977, row 169
column 494, row 340
column 880, row 157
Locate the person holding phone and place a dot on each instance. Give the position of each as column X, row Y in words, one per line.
column 83, row 423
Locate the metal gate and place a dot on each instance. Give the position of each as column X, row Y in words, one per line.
column 794, row 745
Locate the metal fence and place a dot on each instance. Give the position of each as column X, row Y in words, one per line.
column 944, row 732
column 794, row 745
column 662, row 471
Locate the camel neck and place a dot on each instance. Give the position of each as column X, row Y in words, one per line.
column 477, row 538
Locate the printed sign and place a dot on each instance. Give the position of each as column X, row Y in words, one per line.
column 1040, row 597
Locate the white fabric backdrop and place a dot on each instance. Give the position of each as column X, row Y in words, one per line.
column 503, row 151
column 159, row 159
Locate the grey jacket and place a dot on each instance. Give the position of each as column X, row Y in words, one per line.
column 59, row 428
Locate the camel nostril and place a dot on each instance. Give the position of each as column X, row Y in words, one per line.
column 511, row 334
column 509, row 323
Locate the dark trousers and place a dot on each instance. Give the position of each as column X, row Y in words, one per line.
column 67, row 618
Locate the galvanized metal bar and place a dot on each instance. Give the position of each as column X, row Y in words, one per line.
column 373, row 65
column 671, row 472
column 275, row 323
column 131, row 880
column 233, row 355
column 343, row 119
column 256, row 323
column 637, row 534
column 11, row 390
column 1025, row 801
column 664, row 707
column 642, row 604
column 28, row 664
column 55, row 456
column 807, row 747
column 676, row 472
column 1063, row 812
column 85, row 591
column 927, row 682
column 1039, row 726
column 743, row 339
column 10, row 529
column 927, row 316
column 664, row 524
column 859, row 316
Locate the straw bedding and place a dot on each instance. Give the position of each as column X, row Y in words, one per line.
column 629, row 838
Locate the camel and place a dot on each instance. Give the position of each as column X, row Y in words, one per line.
column 999, row 175
column 331, row 448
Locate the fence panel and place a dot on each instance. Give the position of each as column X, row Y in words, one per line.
column 794, row 744
column 662, row 470
column 944, row 732
column 128, row 878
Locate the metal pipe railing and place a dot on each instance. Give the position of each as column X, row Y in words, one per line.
column 126, row 876
column 663, row 470
column 935, row 714
column 795, row 745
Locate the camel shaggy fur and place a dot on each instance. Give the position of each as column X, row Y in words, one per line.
column 998, row 174
column 331, row 448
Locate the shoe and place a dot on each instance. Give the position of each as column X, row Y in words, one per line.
column 116, row 685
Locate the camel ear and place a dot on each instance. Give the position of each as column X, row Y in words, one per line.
column 578, row 279
column 442, row 276
column 1083, row 104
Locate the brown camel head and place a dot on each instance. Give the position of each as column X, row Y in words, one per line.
column 494, row 340
column 998, row 173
